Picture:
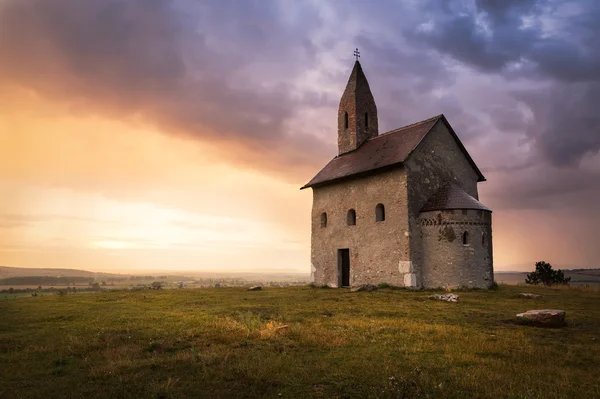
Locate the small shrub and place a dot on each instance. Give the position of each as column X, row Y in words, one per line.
column 544, row 274
column 383, row 286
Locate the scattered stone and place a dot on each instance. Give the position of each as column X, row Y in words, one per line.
column 445, row 297
column 282, row 328
column 544, row 317
column 364, row 287
column 529, row 295
column 255, row 288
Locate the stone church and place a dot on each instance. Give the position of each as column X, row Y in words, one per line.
column 400, row 207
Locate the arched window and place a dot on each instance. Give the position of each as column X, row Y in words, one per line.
column 351, row 217
column 379, row 213
column 367, row 120
column 345, row 120
column 324, row 219
column 465, row 238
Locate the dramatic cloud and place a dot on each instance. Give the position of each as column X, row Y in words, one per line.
column 224, row 74
column 551, row 42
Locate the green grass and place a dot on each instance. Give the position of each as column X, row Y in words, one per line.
column 211, row 343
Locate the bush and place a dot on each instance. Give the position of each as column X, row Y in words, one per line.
column 544, row 274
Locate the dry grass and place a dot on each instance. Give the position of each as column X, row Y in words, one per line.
column 298, row 342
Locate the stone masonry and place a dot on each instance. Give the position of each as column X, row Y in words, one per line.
column 376, row 248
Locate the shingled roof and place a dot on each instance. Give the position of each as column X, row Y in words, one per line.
column 451, row 196
column 384, row 151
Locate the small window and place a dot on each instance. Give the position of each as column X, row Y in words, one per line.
column 379, row 213
column 482, row 238
column 345, row 120
column 367, row 120
column 351, row 217
column 465, row 238
column 324, row 219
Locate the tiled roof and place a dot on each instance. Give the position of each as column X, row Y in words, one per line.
column 451, row 196
column 386, row 150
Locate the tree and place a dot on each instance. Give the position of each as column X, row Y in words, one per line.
column 544, row 274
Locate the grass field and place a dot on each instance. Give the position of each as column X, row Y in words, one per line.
column 211, row 343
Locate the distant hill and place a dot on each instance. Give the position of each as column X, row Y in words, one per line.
column 578, row 276
column 48, row 276
column 6, row 272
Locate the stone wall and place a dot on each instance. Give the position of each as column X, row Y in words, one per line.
column 379, row 251
column 436, row 160
column 446, row 261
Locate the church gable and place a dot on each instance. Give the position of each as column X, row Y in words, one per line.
column 461, row 147
column 439, row 158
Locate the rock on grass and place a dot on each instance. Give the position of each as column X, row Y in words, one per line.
column 544, row 317
column 529, row 295
column 364, row 287
column 445, row 297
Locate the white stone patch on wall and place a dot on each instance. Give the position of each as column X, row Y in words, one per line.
column 410, row 280
column 313, row 269
column 405, row 266
column 406, row 233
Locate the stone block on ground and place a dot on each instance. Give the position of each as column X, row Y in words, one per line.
column 364, row 287
column 529, row 295
column 255, row 288
column 544, row 317
column 445, row 297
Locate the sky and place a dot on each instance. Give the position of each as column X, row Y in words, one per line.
column 175, row 135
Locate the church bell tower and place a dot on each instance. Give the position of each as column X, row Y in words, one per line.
column 357, row 114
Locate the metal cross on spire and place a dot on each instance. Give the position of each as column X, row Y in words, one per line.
column 357, row 54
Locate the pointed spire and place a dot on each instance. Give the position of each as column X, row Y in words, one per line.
column 357, row 113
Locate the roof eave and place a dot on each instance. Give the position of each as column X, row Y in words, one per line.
column 353, row 176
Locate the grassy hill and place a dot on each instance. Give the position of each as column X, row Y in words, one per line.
column 298, row 342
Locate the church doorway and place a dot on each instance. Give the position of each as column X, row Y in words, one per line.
column 344, row 267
